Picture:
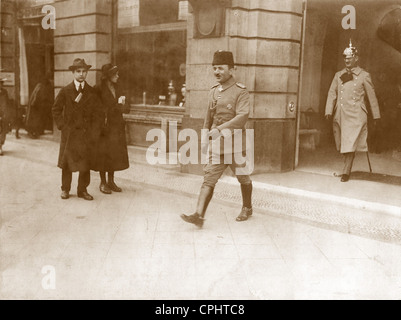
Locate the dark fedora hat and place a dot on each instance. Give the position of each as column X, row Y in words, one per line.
column 109, row 70
column 79, row 63
column 223, row 57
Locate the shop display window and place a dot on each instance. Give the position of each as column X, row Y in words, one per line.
column 151, row 52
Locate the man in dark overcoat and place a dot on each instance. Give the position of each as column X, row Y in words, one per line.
column 75, row 113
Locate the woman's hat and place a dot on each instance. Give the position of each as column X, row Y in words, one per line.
column 109, row 70
column 79, row 63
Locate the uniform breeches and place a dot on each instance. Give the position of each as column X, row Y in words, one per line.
column 214, row 169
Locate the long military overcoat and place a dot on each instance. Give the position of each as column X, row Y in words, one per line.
column 347, row 101
column 78, row 124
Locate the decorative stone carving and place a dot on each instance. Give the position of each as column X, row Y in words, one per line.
column 223, row 3
column 390, row 29
column 209, row 17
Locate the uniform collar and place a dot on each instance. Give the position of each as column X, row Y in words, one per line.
column 356, row 70
column 229, row 83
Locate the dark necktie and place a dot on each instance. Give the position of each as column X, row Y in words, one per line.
column 80, row 93
column 347, row 76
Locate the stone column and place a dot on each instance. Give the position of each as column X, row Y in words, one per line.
column 265, row 38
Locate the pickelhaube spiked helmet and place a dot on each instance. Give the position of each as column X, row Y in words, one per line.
column 350, row 50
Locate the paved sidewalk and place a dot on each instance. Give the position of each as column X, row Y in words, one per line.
column 133, row 245
column 367, row 208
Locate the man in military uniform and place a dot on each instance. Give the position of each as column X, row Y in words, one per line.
column 228, row 109
column 346, row 98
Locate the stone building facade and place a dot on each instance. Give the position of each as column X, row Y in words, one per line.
column 265, row 38
column 286, row 53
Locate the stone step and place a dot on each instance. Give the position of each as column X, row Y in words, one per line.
column 138, row 155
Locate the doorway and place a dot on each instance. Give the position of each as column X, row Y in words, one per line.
column 323, row 44
column 39, row 45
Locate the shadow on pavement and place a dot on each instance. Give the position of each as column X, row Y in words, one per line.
column 376, row 177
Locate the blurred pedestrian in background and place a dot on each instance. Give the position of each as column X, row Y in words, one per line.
column 4, row 114
column 39, row 107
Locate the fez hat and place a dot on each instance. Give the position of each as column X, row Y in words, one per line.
column 350, row 50
column 223, row 57
column 79, row 63
column 108, row 70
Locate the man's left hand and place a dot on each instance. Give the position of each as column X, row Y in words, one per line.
column 214, row 133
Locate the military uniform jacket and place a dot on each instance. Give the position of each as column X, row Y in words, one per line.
column 228, row 108
column 76, row 120
column 347, row 102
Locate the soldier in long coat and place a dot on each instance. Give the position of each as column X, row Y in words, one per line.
column 75, row 112
column 111, row 151
column 347, row 100
column 228, row 110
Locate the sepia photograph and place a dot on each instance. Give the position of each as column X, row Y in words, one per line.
column 201, row 154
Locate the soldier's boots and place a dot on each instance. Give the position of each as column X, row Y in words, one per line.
column 1, row 151
column 245, row 214
column 195, row 218
column 246, row 211
column 206, row 194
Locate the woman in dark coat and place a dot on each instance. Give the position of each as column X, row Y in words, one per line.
column 111, row 153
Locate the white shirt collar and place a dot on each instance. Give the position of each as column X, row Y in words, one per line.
column 77, row 84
